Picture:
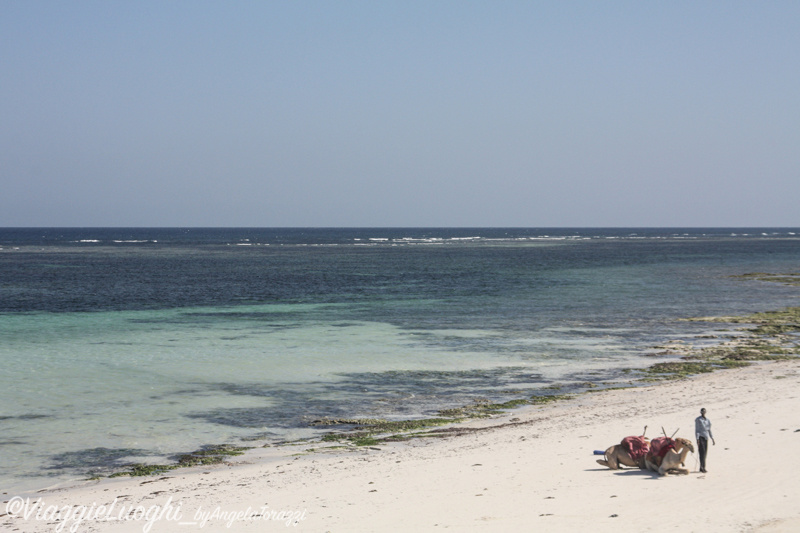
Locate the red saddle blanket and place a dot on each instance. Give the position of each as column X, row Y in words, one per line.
column 636, row 447
column 659, row 446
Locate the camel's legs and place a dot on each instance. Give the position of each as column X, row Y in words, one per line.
column 610, row 459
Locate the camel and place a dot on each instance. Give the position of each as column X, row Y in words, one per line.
column 630, row 452
column 616, row 457
column 672, row 461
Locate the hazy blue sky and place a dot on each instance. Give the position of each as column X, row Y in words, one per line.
column 377, row 113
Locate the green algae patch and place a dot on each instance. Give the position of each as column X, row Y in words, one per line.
column 483, row 409
column 455, row 413
column 346, row 421
column 194, row 460
column 364, row 440
column 751, row 354
column 209, row 455
column 226, row 450
column 144, row 470
column 679, row 369
column 379, row 425
column 511, row 404
column 787, row 316
column 615, row 387
column 374, row 431
column 410, row 425
column 776, row 329
column 543, row 399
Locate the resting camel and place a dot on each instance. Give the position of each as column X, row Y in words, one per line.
column 630, row 452
column 672, row 460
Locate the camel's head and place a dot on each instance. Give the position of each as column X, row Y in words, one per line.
column 684, row 443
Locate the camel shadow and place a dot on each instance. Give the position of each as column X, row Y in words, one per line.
column 649, row 474
column 628, row 472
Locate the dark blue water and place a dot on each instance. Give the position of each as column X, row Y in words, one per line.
column 67, row 270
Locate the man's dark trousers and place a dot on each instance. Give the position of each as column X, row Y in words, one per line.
column 702, row 449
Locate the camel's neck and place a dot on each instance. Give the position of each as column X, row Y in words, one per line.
column 684, row 453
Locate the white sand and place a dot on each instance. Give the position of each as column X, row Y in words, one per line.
column 530, row 470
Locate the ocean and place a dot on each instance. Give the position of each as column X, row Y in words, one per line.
column 124, row 345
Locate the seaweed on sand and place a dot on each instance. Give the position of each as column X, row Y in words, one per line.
column 208, row 455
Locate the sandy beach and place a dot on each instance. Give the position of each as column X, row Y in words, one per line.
column 531, row 469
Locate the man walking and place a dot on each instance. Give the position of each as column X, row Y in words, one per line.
column 702, row 430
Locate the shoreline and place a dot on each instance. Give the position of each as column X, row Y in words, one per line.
column 767, row 341
column 531, row 468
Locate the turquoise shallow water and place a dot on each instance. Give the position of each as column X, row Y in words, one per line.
column 121, row 345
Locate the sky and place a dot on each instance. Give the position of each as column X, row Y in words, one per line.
column 400, row 113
